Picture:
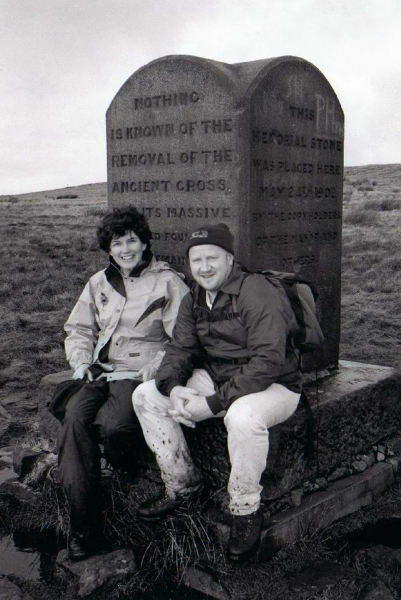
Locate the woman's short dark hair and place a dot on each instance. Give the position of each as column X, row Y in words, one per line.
column 118, row 222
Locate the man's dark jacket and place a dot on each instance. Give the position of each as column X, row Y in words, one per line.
column 244, row 352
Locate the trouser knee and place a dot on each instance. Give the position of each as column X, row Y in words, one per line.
column 242, row 421
column 142, row 395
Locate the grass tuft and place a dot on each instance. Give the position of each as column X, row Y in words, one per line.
column 361, row 216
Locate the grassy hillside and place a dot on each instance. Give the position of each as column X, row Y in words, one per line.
column 48, row 251
column 371, row 270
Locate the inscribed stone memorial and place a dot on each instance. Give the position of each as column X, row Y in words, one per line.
column 257, row 145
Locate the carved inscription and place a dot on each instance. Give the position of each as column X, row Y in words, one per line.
column 297, row 162
column 185, row 212
column 173, row 158
column 259, row 148
column 134, row 132
column 167, row 100
column 297, row 141
column 183, row 185
column 151, row 159
column 300, row 191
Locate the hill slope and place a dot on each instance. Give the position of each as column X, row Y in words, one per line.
column 49, row 251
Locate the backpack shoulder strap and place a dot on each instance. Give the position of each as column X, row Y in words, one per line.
column 234, row 302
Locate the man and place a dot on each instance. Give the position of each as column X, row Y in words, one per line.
column 230, row 357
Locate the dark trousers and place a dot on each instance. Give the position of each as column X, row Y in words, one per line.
column 100, row 412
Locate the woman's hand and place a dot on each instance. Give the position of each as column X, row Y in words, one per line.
column 147, row 372
column 83, row 373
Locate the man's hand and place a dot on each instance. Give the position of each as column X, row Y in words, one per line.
column 180, row 397
column 189, row 406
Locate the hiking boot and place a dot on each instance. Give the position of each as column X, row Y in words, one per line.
column 245, row 536
column 159, row 506
column 78, row 547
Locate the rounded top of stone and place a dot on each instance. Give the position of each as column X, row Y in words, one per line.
column 243, row 78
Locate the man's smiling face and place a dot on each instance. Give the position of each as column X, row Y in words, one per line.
column 210, row 266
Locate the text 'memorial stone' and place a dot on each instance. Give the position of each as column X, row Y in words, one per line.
column 256, row 145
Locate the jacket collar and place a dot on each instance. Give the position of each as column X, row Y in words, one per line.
column 115, row 278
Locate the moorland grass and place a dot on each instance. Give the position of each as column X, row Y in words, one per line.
column 371, row 271
column 48, row 253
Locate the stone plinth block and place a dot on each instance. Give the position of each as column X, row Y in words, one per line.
column 256, row 145
column 47, row 425
column 97, row 571
column 353, row 409
column 318, row 510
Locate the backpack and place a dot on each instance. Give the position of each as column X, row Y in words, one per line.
column 302, row 297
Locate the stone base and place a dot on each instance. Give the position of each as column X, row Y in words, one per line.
column 316, row 512
column 47, row 425
column 353, row 408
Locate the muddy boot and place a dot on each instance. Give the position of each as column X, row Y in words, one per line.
column 79, row 547
column 245, row 536
column 160, row 506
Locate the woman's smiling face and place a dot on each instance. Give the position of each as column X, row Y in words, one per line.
column 127, row 251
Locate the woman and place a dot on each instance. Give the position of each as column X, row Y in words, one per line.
column 115, row 340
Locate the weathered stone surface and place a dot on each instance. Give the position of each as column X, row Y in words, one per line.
column 97, row 571
column 395, row 463
column 339, row 473
column 4, row 427
column 13, row 490
column 40, row 469
column 13, row 398
column 24, row 459
column 318, row 577
column 355, row 408
column 257, row 145
column 10, row 591
column 6, row 455
column 4, row 413
column 203, row 582
column 359, row 466
column 380, row 557
column 47, row 425
column 377, row 591
column 317, row 511
column 320, row 509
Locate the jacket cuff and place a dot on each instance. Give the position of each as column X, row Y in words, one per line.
column 166, row 387
column 214, row 403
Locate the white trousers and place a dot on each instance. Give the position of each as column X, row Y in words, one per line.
column 247, row 421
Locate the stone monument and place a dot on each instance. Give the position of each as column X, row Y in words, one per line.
column 257, row 145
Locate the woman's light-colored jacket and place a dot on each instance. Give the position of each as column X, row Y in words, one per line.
column 152, row 315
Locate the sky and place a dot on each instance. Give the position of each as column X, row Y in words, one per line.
column 63, row 61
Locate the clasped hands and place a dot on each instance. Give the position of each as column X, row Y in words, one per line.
column 189, row 406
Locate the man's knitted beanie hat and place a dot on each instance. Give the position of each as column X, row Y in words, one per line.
column 217, row 235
